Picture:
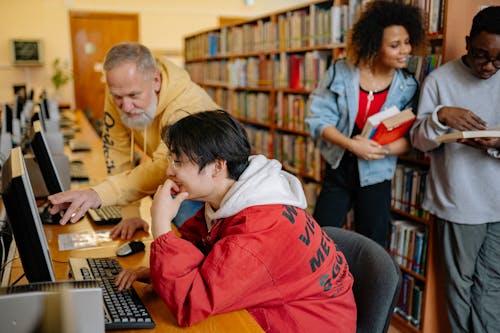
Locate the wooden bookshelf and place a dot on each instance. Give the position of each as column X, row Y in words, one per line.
column 263, row 70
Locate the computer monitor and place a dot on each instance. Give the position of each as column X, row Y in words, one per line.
column 5, row 147
column 7, row 116
column 44, row 107
column 18, row 106
column 45, row 161
column 10, row 124
column 50, row 118
column 24, row 220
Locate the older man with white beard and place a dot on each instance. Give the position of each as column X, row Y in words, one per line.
column 143, row 95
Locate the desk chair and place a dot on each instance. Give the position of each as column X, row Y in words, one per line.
column 377, row 279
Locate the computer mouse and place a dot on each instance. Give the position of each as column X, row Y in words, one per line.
column 130, row 248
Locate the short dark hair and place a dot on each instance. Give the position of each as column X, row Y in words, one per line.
column 487, row 20
column 366, row 35
column 205, row 136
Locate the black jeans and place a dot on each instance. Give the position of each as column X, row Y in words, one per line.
column 341, row 191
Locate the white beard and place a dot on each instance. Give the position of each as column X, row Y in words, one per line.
column 145, row 118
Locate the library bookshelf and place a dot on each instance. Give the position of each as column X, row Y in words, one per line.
column 421, row 306
column 263, row 70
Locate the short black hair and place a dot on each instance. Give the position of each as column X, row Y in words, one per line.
column 365, row 37
column 206, row 136
column 487, row 20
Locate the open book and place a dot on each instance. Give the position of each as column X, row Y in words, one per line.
column 388, row 125
column 493, row 132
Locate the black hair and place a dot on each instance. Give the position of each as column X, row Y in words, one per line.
column 487, row 20
column 365, row 38
column 206, row 136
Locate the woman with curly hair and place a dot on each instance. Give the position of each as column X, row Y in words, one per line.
column 371, row 79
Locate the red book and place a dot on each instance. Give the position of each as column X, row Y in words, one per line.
column 394, row 127
column 296, row 71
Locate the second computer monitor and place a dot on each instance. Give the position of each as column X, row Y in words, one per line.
column 24, row 220
column 45, row 160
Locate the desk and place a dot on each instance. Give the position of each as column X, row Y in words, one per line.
column 238, row 321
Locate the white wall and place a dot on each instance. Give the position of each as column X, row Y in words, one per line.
column 162, row 27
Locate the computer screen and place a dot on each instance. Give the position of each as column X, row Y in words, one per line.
column 7, row 116
column 24, row 220
column 44, row 160
column 38, row 115
column 44, row 107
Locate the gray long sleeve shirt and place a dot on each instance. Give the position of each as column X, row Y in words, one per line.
column 463, row 185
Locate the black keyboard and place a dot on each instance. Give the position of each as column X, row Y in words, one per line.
column 105, row 215
column 122, row 309
column 78, row 171
column 101, row 268
column 78, row 145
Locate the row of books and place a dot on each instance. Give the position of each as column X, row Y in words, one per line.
column 409, row 305
column 220, row 96
column 314, row 25
column 295, row 71
column 408, row 188
column 433, row 11
column 260, row 140
column 251, row 105
column 408, row 245
column 289, row 110
column 423, row 66
column 299, row 155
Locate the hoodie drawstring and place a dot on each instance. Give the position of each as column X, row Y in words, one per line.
column 132, row 143
column 132, row 149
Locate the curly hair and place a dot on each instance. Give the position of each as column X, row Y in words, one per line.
column 365, row 37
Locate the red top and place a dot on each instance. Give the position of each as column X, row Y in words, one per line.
column 273, row 260
column 375, row 106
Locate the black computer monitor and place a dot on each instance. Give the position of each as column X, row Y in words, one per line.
column 18, row 106
column 7, row 116
column 38, row 115
column 24, row 220
column 44, row 160
column 44, row 107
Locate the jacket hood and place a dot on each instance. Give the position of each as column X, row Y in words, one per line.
column 170, row 88
column 262, row 183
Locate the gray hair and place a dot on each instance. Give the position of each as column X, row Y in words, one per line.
column 131, row 52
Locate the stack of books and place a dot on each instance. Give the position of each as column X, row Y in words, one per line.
column 389, row 125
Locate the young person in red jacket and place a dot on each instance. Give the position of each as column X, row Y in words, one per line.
column 251, row 246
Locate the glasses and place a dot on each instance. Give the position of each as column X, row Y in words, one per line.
column 175, row 164
column 482, row 58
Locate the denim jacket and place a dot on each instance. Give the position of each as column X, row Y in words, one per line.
column 335, row 102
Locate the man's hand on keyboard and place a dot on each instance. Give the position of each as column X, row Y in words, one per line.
column 76, row 203
column 127, row 227
column 127, row 277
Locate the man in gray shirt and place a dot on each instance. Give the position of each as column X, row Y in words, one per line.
column 463, row 188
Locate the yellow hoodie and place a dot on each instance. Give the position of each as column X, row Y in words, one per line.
column 125, row 184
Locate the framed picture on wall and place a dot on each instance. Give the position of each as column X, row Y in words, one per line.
column 27, row 51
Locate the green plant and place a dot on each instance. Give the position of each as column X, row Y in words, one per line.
column 61, row 74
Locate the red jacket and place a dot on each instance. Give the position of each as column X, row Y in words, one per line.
column 273, row 260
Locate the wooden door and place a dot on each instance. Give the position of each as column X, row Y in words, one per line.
column 92, row 34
